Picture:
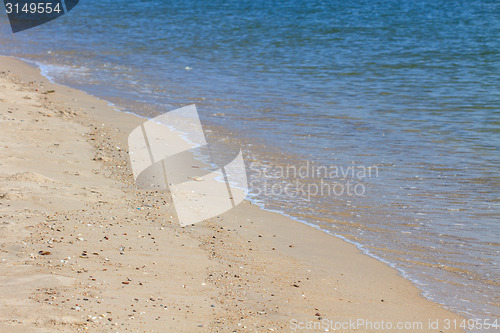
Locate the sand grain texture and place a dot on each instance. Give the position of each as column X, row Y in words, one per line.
column 83, row 249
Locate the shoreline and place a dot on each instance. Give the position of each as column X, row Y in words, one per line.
column 437, row 277
column 328, row 277
column 252, row 201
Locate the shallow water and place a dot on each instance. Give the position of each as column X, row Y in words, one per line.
column 411, row 90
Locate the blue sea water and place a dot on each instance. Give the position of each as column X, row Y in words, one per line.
column 411, row 88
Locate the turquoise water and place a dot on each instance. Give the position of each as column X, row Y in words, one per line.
column 409, row 88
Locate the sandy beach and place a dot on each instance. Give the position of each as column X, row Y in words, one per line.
column 84, row 249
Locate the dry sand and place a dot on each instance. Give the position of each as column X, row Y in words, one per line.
column 82, row 248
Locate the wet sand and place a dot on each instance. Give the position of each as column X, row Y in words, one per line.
column 82, row 248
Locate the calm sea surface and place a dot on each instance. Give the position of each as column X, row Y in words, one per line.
column 378, row 121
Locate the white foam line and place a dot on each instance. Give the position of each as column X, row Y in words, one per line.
column 44, row 71
column 401, row 271
column 251, row 198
